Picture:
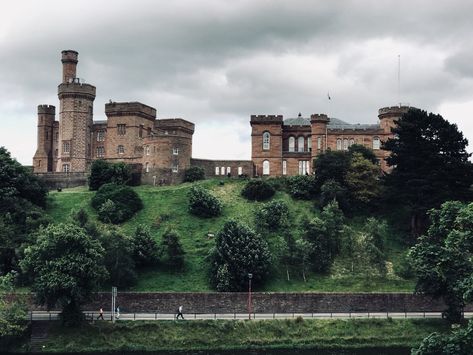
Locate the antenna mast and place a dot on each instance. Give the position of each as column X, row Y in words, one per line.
column 399, row 79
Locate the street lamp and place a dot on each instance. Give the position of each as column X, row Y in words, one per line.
column 250, row 276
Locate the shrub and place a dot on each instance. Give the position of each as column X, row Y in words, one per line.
column 173, row 253
column 145, row 248
column 126, row 203
column 332, row 190
column 194, row 173
column 257, row 190
column 273, row 215
column 103, row 172
column 279, row 183
column 203, row 204
column 302, row 186
column 403, row 267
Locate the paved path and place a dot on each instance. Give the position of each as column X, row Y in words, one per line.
column 41, row 315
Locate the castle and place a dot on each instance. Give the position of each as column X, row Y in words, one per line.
column 161, row 149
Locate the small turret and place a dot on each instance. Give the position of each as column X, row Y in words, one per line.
column 69, row 65
column 43, row 158
column 389, row 115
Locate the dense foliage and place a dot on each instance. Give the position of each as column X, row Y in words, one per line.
column 203, row 204
column 194, row 173
column 257, row 190
column 65, row 265
column 103, row 172
column 430, row 165
column 172, row 252
column 13, row 314
column 238, row 251
column 272, row 215
column 116, row 203
column 145, row 247
column 302, row 186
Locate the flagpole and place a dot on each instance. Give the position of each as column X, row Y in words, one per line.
column 399, row 79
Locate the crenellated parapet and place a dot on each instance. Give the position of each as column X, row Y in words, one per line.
column 76, row 89
column 46, row 110
column 272, row 119
column 130, row 109
column 319, row 118
column 175, row 124
column 393, row 111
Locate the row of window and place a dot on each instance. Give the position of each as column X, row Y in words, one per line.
column 121, row 131
column 221, row 170
column 121, row 150
column 304, row 167
column 175, row 150
column 174, row 167
column 344, row 144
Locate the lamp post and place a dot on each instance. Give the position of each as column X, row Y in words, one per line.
column 250, row 276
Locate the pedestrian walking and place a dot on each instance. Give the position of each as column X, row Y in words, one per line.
column 117, row 313
column 179, row 313
column 100, row 314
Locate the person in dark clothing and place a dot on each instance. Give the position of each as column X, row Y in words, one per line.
column 179, row 313
column 100, row 314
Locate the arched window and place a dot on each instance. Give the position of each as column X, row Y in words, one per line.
column 147, row 167
column 319, row 143
column 376, row 143
column 309, row 144
column 217, row 170
column 292, row 144
column 345, row 144
column 266, row 167
column 240, row 170
column 339, row 144
column 222, row 170
column 266, row 140
column 229, row 170
column 300, row 144
column 284, row 167
column 352, row 141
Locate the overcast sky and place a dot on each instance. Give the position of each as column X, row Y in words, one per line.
column 217, row 62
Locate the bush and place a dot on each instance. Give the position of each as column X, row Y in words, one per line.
column 103, row 172
column 203, row 204
column 145, row 248
column 194, row 173
column 121, row 203
column 332, row 190
column 273, row 215
column 258, row 190
column 403, row 267
column 279, row 183
column 302, row 186
column 173, row 253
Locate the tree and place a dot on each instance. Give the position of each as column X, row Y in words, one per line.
column 194, row 173
column 66, row 266
column 272, row 215
column 102, row 172
column 13, row 314
column 241, row 251
column 331, row 165
column 173, row 253
column 332, row 190
column 362, row 180
column 257, row 190
column 321, row 245
column 203, row 204
column 367, row 153
column 303, row 250
column 302, row 187
column 145, row 248
column 430, row 165
column 443, row 258
column 285, row 249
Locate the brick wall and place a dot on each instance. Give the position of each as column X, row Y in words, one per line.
column 227, row 302
column 63, row 180
column 210, row 166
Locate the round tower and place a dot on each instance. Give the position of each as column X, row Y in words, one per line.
column 389, row 115
column 319, row 124
column 43, row 158
column 75, row 118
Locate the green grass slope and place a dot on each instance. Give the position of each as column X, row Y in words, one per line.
column 167, row 207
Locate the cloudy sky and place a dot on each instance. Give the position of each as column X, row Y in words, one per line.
column 217, row 62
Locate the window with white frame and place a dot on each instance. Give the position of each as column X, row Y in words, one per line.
column 229, row 170
column 266, row 140
column 147, row 167
column 100, row 152
column 352, row 141
column 217, row 170
column 319, row 143
column 345, row 144
column 66, row 168
column 121, row 129
column 284, row 167
column 100, row 135
column 309, row 144
column 300, row 144
column 376, row 143
column 222, row 170
column 66, row 147
column 175, row 151
column 292, row 144
column 339, row 144
column 121, row 149
column 175, row 168
column 304, row 168
column 240, row 171
column 266, row 167
column 148, row 150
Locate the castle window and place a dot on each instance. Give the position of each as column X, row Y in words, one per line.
column 175, row 168
column 149, row 131
column 47, row 135
column 376, row 143
column 222, row 170
column 339, row 144
column 66, row 168
column 147, row 167
column 217, row 170
column 100, row 152
column 57, row 136
column 352, row 141
column 284, row 167
column 304, row 167
column 292, row 144
column 55, row 152
column 345, row 144
column 121, row 149
column 148, row 150
column 39, row 163
column 121, row 129
column 266, row 167
column 66, row 147
column 240, row 170
column 229, row 170
column 266, row 140
column 100, row 135
column 309, row 144
column 319, row 143
column 140, row 132
column 175, row 151
column 300, row 144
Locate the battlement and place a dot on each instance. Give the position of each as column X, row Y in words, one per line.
column 130, row 109
column 76, row 89
column 266, row 119
column 69, row 56
column 319, row 117
column 46, row 110
column 175, row 123
column 393, row 111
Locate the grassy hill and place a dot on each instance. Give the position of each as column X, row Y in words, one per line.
column 167, row 206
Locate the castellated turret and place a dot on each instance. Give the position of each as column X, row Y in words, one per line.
column 43, row 158
column 389, row 115
column 75, row 118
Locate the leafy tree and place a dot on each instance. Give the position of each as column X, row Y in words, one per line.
column 331, row 165
column 321, row 246
column 362, row 180
column 303, row 252
column 13, row 314
column 286, row 253
column 332, row 190
column 272, row 215
column 118, row 258
column 103, row 172
column 430, row 165
column 257, row 190
column 194, row 173
column 334, row 220
column 82, row 219
column 443, row 258
column 367, row 153
column 173, row 253
column 145, row 247
column 203, row 204
column 302, row 187
column 242, row 251
column 66, row 266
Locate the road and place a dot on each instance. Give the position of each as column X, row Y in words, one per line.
column 42, row 315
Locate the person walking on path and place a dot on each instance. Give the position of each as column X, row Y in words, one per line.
column 100, row 314
column 117, row 313
column 179, row 313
